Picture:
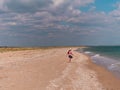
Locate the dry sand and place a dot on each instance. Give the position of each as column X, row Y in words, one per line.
column 49, row 70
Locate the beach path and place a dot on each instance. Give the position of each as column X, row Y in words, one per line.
column 46, row 70
column 76, row 76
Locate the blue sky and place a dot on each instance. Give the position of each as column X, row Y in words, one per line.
column 59, row 22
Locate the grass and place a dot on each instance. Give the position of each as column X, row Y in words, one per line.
column 14, row 49
column 6, row 49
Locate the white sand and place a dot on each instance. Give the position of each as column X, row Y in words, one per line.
column 76, row 76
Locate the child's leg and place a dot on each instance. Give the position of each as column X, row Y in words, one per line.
column 70, row 60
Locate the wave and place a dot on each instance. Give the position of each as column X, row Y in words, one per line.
column 109, row 62
column 96, row 55
column 87, row 52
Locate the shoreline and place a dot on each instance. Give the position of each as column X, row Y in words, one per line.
column 107, row 78
column 48, row 69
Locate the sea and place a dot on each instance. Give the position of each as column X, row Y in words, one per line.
column 105, row 56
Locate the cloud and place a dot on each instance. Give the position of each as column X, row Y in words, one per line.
column 51, row 19
column 58, row 2
column 57, row 14
column 22, row 6
column 116, row 12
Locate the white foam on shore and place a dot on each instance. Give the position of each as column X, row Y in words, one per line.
column 97, row 55
column 87, row 52
column 109, row 63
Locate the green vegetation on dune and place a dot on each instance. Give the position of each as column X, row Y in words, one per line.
column 6, row 49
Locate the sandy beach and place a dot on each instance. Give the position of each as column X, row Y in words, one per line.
column 48, row 69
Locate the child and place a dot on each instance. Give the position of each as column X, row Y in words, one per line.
column 70, row 55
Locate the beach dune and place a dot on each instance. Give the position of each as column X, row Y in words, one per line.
column 48, row 69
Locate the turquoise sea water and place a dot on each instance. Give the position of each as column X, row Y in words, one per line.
column 109, row 51
column 106, row 56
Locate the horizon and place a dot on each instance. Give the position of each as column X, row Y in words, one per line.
column 57, row 46
column 32, row 23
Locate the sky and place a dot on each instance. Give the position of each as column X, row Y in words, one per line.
column 59, row 22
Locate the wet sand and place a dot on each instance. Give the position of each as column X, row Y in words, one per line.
column 49, row 70
column 107, row 78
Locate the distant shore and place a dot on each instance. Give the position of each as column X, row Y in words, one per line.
column 48, row 69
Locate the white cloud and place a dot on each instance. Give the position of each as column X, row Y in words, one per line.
column 115, row 13
column 12, row 23
column 3, row 7
column 74, row 11
column 1, row 2
column 81, row 2
column 58, row 2
column 66, row 11
column 42, row 14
